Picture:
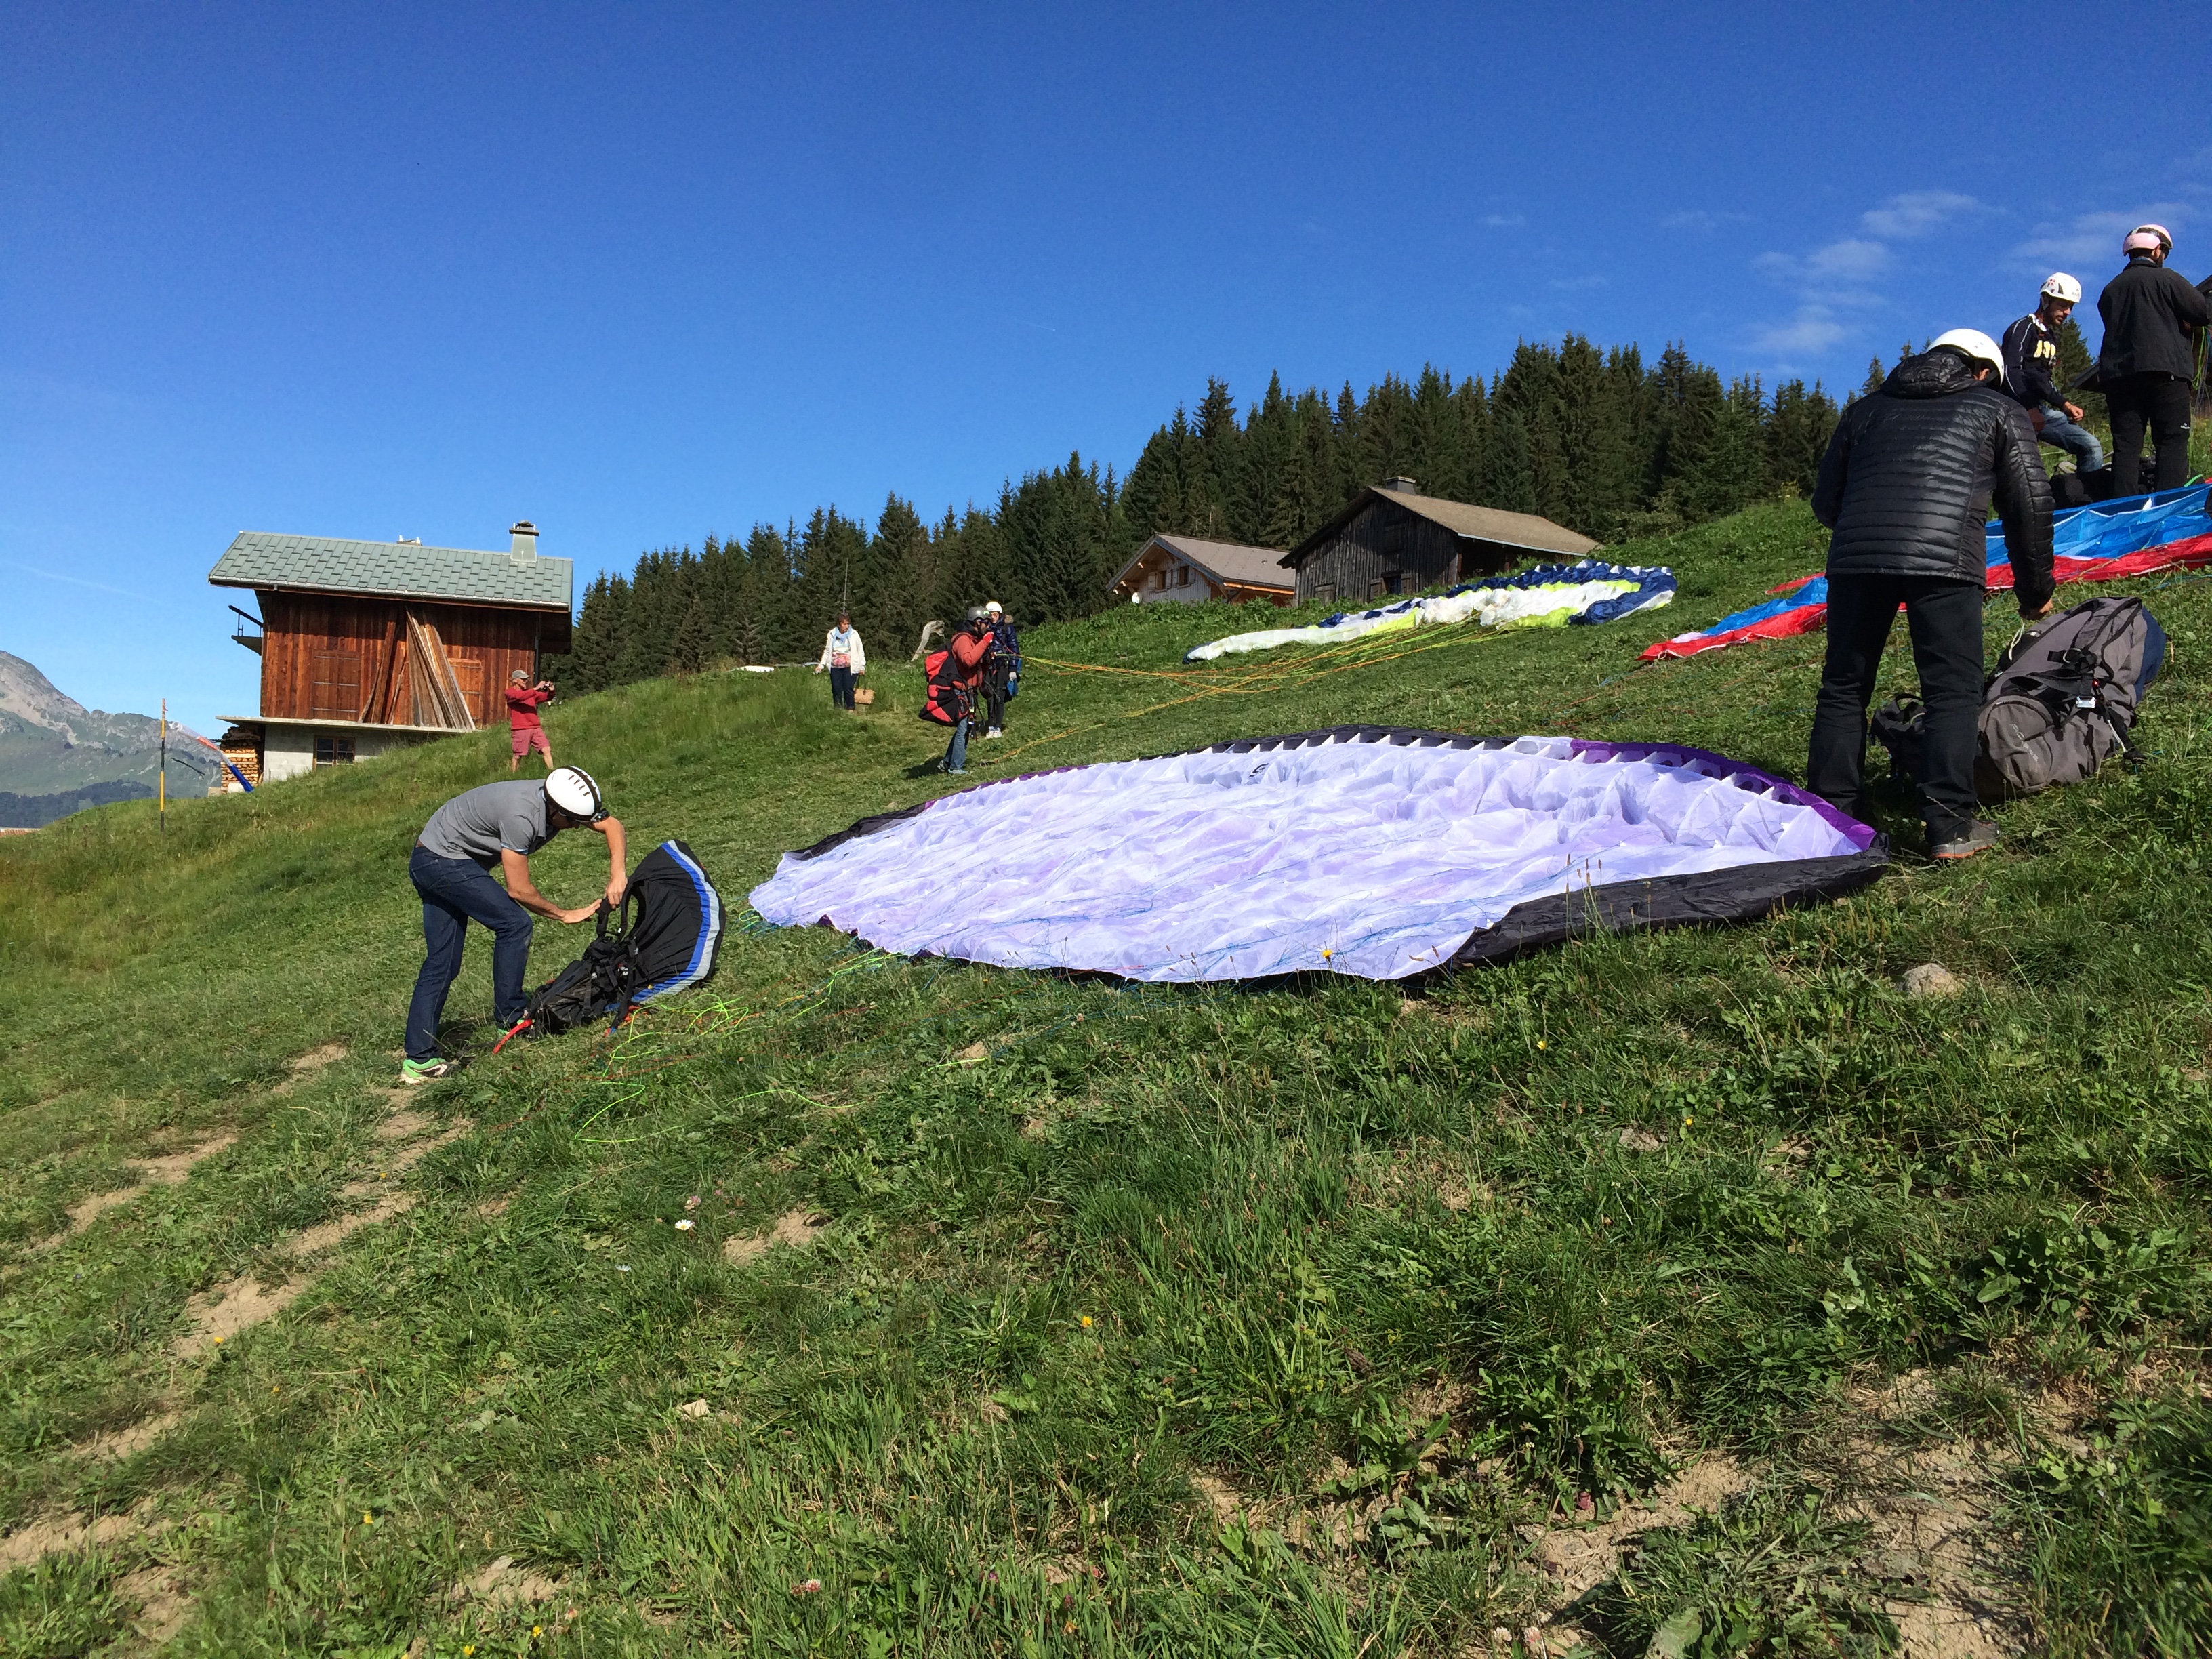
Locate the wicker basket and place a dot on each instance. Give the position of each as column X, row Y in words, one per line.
column 863, row 699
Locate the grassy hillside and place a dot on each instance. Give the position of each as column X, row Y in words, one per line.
column 1701, row 1283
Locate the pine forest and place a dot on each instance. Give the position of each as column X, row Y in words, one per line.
column 1592, row 439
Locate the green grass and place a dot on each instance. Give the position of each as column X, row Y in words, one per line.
column 1332, row 1249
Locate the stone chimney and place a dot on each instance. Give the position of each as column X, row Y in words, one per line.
column 1400, row 486
column 524, row 546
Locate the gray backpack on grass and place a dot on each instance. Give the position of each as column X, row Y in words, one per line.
column 2060, row 704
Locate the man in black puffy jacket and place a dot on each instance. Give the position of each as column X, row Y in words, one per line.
column 1906, row 487
column 2149, row 360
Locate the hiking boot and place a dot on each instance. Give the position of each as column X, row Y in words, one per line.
column 1981, row 835
column 995, row 732
column 412, row 1072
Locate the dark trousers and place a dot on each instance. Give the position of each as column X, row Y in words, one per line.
column 841, row 688
column 994, row 700
column 2161, row 402
column 1945, row 620
column 456, row 891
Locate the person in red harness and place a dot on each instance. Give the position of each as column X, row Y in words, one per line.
column 523, row 702
column 955, row 676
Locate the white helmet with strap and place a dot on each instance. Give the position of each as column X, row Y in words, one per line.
column 2059, row 286
column 1976, row 346
column 572, row 789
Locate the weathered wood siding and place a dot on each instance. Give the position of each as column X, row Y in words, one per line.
column 327, row 657
column 1384, row 542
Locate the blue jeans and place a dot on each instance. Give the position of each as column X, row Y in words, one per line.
column 955, row 752
column 456, row 891
column 2076, row 439
column 841, row 688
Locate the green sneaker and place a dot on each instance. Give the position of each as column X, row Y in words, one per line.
column 412, row 1072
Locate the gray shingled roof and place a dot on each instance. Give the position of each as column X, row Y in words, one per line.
column 1481, row 524
column 1231, row 561
column 325, row 564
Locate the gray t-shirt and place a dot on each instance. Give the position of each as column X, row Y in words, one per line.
column 490, row 819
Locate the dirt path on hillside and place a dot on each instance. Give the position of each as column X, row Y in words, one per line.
column 167, row 1170
column 215, row 1315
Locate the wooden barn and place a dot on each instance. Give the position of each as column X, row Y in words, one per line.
column 1393, row 539
column 368, row 645
column 1182, row 569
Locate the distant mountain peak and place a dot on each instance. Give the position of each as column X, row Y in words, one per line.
column 50, row 742
column 30, row 696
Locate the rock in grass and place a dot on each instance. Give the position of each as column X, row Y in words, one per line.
column 1932, row 979
column 1640, row 1140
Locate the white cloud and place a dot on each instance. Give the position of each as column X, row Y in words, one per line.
column 1578, row 284
column 2093, row 238
column 1918, row 212
column 1699, row 220
column 1848, row 263
column 1811, row 333
column 1503, row 221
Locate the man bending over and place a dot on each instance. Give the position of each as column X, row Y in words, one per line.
column 1906, row 485
column 494, row 825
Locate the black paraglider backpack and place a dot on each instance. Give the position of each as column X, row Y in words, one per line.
column 666, row 937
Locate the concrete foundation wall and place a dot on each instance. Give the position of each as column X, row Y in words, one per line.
column 289, row 750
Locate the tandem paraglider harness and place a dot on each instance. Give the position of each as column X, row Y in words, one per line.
column 2062, row 702
column 664, row 938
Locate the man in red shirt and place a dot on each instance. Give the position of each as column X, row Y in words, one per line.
column 523, row 699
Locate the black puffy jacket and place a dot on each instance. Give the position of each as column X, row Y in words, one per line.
column 1910, row 474
column 2148, row 312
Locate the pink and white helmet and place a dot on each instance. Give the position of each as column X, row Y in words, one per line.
column 2148, row 239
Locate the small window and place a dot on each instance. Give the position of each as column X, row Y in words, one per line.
column 334, row 752
column 1324, row 590
column 1182, row 576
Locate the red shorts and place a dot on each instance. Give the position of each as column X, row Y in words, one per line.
column 527, row 737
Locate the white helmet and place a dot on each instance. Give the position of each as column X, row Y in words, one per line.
column 572, row 790
column 2059, row 286
column 1976, row 345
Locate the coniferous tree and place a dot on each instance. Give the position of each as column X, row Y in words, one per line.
column 1797, row 430
column 1592, row 439
column 2074, row 361
column 1876, row 375
column 1434, row 452
column 1510, row 485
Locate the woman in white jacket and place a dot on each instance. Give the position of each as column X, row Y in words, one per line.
column 845, row 657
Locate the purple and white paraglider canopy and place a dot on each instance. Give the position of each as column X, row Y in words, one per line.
column 1374, row 851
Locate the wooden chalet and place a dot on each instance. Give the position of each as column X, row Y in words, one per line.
column 368, row 645
column 1183, row 569
column 1392, row 539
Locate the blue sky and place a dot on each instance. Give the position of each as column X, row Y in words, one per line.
column 640, row 273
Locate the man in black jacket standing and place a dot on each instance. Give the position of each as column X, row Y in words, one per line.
column 2149, row 360
column 1906, row 487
